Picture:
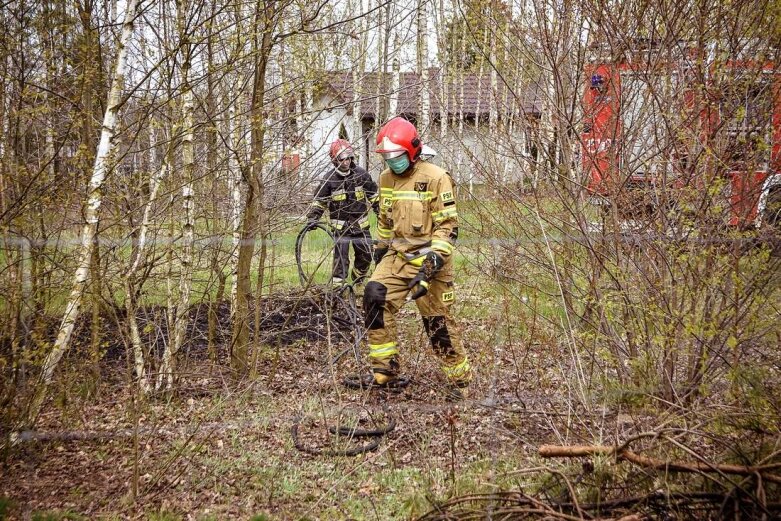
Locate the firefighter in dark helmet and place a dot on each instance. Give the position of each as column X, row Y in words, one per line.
column 346, row 191
column 417, row 228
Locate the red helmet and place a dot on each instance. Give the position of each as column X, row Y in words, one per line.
column 341, row 149
column 399, row 135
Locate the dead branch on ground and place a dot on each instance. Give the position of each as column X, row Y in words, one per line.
column 578, row 451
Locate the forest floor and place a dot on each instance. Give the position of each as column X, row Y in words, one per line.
column 216, row 449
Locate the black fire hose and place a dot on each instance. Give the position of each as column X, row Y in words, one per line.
column 299, row 244
column 375, row 436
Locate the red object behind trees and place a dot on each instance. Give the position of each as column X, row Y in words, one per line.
column 652, row 123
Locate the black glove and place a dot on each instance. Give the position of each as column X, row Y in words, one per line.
column 378, row 254
column 422, row 286
column 430, row 267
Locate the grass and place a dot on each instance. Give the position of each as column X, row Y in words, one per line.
column 164, row 515
column 281, row 273
column 385, row 489
column 57, row 515
column 6, row 504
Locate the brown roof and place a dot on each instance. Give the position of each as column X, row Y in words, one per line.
column 474, row 100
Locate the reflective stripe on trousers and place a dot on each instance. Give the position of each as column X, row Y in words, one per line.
column 387, row 291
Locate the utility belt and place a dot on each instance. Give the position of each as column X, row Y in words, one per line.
column 415, row 258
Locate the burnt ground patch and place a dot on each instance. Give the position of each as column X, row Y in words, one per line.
column 297, row 316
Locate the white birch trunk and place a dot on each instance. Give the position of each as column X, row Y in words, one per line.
column 357, row 138
column 492, row 104
column 547, row 123
column 91, row 213
column 154, row 185
column 382, row 65
column 130, row 283
column 461, row 78
column 478, row 104
column 425, row 103
column 302, row 119
column 234, row 186
column 393, row 106
column 519, row 125
column 50, row 149
column 444, row 89
column 165, row 377
column 8, row 257
column 4, row 123
column 358, row 60
column 548, row 118
column 135, row 336
column 300, row 146
column 311, row 116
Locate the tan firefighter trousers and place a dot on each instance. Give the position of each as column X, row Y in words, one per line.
column 386, row 293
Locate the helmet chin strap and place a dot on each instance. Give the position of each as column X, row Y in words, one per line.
column 342, row 172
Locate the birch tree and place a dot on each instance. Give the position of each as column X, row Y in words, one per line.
column 137, row 259
column 166, row 373
column 424, row 118
column 443, row 56
column 395, row 83
column 358, row 61
column 381, row 65
column 101, row 169
column 262, row 43
column 213, row 110
column 235, row 181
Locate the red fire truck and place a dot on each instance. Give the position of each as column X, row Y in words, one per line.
column 660, row 122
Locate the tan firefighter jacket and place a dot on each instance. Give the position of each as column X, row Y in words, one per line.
column 417, row 211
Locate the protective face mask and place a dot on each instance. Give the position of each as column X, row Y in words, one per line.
column 398, row 164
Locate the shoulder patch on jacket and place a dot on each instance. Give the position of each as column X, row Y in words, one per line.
column 447, row 196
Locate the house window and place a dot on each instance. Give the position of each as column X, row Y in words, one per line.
column 647, row 112
column 746, row 112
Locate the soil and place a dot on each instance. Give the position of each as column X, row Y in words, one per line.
column 223, row 449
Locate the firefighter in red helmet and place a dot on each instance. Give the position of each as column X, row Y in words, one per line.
column 417, row 228
column 346, row 191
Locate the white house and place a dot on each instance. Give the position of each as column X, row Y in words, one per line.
column 466, row 144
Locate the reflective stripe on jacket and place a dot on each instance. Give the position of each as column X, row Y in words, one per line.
column 418, row 210
column 347, row 199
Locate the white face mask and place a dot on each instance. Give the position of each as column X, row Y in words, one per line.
column 343, row 166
